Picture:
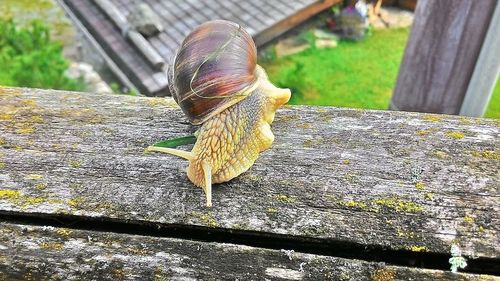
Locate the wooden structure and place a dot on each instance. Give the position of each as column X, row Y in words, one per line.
column 407, row 4
column 356, row 194
column 105, row 21
column 486, row 72
column 441, row 54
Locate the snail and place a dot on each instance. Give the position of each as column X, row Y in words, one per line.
column 216, row 81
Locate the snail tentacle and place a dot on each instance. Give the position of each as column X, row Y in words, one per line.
column 179, row 153
column 207, row 171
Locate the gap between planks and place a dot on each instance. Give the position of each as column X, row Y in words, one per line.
column 301, row 244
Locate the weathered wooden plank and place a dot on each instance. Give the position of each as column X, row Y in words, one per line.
column 48, row 253
column 401, row 181
column 441, row 53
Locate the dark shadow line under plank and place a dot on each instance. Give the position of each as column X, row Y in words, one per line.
column 326, row 247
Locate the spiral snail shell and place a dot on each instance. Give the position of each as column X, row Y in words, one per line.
column 213, row 69
column 217, row 83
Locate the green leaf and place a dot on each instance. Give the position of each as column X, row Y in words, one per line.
column 173, row 143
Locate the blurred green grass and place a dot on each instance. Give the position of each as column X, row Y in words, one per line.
column 493, row 110
column 354, row 74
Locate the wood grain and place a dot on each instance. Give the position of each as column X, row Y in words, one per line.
column 401, row 181
column 48, row 253
column 441, row 53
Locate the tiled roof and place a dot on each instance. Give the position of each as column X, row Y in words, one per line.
column 263, row 19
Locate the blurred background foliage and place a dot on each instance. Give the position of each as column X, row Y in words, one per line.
column 355, row 73
column 359, row 74
column 32, row 36
column 28, row 58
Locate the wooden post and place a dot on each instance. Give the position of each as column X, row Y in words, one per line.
column 441, row 54
column 486, row 72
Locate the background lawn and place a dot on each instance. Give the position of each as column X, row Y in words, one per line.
column 493, row 110
column 354, row 74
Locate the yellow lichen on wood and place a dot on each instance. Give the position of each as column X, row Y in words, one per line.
column 271, row 210
column 469, row 219
column 51, row 246
column 375, row 205
column 96, row 120
column 160, row 275
column 64, row 232
column 25, row 130
column 160, row 101
column 90, row 116
column 288, row 118
column 465, row 121
column 422, row 133
column 75, row 202
column 419, row 185
column 432, row 117
column 350, row 177
column 455, row 135
column 84, row 134
column 304, row 126
column 10, row 91
column 33, row 177
column 440, row 154
column 75, row 163
column 284, row 198
column 28, row 103
column 405, row 233
column 41, row 186
column 429, row 196
column 308, row 143
column 487, row 154
column 399, row 205
column 6, row 116
column 29, row 201
column 118, row 273
column 251, row 177
column 16, row 198
column 383, row 274
column 36, row 119
column 138, row 251
column 207, row 219
column 237, row 226
column 355, row 204
column 9, row 194
column 417, row 248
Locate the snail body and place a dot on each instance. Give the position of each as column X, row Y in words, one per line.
column 217, row 83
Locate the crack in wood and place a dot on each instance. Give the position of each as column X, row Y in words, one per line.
column 325, row 247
